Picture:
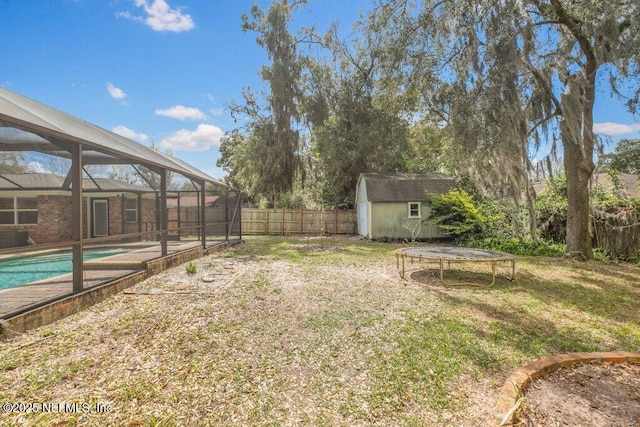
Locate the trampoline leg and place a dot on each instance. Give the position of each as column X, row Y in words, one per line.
column 513, row 269
column 441, row 269
column 493, row 270
column 397, row 262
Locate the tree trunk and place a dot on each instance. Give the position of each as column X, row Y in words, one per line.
column 577, row 139
column 578, row 234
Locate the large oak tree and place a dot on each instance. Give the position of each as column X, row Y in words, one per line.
column 507, row 75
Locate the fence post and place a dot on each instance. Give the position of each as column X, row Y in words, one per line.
column 301, row 222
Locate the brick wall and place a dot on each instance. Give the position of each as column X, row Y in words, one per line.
column 115, row 216
column 54, row 221
column 55, row 216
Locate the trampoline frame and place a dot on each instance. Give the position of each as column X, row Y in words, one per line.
column 500, row 258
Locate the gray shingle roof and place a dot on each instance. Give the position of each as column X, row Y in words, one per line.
column 42, row 181
column 405, row 187
column 629, row 183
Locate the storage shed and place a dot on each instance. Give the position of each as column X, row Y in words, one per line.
column 391, row 205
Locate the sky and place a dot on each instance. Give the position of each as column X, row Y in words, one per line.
column 165, row 71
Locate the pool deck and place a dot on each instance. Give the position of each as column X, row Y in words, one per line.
column 95, row 271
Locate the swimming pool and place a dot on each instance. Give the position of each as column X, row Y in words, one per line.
column 19, row 271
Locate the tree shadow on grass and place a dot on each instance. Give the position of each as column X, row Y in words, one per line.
column 516, row 327
column 516, row 315
column 611, row 292
column 606, row 294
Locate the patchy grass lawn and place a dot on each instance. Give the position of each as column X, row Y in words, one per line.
column 315, row 332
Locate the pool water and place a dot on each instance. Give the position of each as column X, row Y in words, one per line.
column 19, row 271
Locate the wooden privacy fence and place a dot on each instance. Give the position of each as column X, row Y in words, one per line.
column 284, row 221
column 218, row 221
column 617, row 231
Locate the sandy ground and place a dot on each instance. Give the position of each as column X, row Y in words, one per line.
column 591, row 394
column 307, row 337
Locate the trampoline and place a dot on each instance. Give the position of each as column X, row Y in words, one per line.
column 451, row 255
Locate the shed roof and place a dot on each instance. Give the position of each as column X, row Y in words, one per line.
column 47, row 181
column 405, row 187
column 27, row 125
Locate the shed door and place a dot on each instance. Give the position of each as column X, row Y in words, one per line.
column 100, row 218
column 362, row 219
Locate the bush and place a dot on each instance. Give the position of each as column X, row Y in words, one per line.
column 191, row 268
column 458, row 214
column 551, row 208
column 552, row 220
column 521, row 247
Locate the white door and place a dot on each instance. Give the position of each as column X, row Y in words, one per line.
column 363, row 227
column 100, row 218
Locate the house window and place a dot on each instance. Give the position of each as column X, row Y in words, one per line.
column 131, row 210
column 18, row 210
column 414, row 209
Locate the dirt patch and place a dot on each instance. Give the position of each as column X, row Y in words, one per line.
column 594, row 394
column 314, row 247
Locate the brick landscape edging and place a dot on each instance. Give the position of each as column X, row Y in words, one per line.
column 509, row 394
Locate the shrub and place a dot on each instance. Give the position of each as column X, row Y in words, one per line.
column 191, row 267
column 458, row 214
column 520, row 247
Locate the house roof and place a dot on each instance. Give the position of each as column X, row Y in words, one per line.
column 405, row 187
column 629, row 183
column 189, row 201
column 47, row 181
column 27, row 125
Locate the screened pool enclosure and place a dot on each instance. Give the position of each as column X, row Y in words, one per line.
column 69, row 185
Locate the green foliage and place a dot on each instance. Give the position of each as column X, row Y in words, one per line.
column 610, row 209
column 263, row 159
column 520, row 247
column 429, row 147
column 12, row 162
column 551, row 209
column 459, row 214
column 614, row 196
column 494, row 71
column 625, row 158
column 191, row 267
column 291, row 200
column 358, row 135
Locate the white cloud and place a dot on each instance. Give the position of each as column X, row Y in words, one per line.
column 213, row 111
column 181, row 112
column 201, row 139
column 160, row 17
column 128, row 133
column 612, row 129
column 115, row 92
column 128, row 15
column 35, row 167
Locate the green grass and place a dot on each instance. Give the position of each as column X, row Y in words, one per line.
column 323, row 332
